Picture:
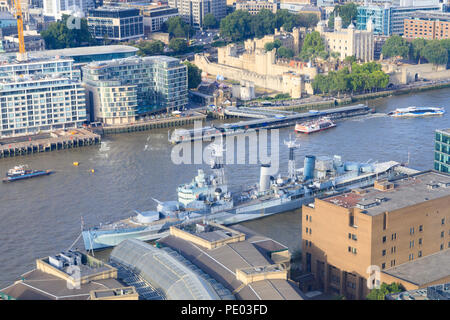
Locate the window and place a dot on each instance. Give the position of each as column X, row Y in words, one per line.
column 349, row 235
column 419, row 254
column 307, row 229
column 411, row 244
column 383, row 253
column 420, row 228
column 442, row 234
column 420, row 241
column 443, row 221
column 383, row 265
column 394, row 236
column 384, row 239
column 442, row 247
column 306, row 217
column 411, row 230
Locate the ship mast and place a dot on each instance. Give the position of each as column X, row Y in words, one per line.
column 292, row 145
column 217, row 164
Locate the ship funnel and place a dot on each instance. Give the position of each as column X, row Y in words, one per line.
column 264, row 179
column 309, row 166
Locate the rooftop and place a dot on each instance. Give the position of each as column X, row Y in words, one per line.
column 424, row 270
column 444, row 130
column 434, row 15
column 83, row 51
column 39, row 285
column 415, row 189
column 252, row 255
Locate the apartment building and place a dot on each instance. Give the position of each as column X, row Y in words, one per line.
column 427, row 25
column 254, row 7
column 347, row 236
column 194, row 11
column 121, row 90
column 57, row 8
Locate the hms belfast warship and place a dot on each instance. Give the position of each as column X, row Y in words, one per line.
column 208, row 198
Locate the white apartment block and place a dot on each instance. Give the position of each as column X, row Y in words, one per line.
column 194, row 11
column 56, row 8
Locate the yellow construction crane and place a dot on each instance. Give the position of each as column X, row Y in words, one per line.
column 19, row 16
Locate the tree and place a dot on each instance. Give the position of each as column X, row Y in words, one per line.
column 194, row 75
column 262, row 23
column 385, row 289
column 284, row 52
column 312, row 45
column 347, row 12
column 59, row 36
column 209, row 21
column 395, row 46
column 417, row 46
column 178, row 45
column 150, row 48
column 435, row 53
column 236, row 25
column 177, row 28
column 269, row 46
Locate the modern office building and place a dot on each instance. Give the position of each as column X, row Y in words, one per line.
column 155, row 14
column 116, row 23
column 194, row 11
column 427, row 25
column 121, row 90
column 387, row 19
column 442, row 151
column 376, row 229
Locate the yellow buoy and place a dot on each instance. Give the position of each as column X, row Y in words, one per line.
column 75, row 163
column 92, row 170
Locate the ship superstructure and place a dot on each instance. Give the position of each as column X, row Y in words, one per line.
column 208, row 197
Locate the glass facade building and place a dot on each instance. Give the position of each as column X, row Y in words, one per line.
column 115, row 23
column 442, row 150
column 151, row 84
column 388, row 20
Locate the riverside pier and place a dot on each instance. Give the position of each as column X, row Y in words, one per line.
column 265, row 119
column 57, row 140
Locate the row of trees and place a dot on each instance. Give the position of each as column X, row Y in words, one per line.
column 177, row 28
column 359, row 78
column 241, row 25
column 434, row 51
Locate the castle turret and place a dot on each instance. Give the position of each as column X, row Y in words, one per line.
column 338, row 23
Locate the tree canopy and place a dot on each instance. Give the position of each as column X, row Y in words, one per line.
column 362, row 78
column 209, row 21
column 396, row 46
column 59, row 36
column 313, row 46
column 347, row 12
column 283, row 52
column 150, row 48
column 194, row 75
column 385, row 289
column 241, row 25
column 434, row 51
column 177, row 28
column 178, row 45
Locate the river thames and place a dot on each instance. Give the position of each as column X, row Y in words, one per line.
column 41, row 216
